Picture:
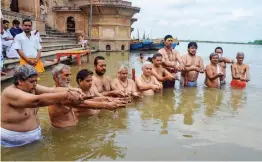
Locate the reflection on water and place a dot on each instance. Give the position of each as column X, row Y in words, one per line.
column 177, row 124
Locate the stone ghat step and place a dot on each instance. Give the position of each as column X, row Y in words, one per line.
column 57, row 35
column 58, row 42
column 43, row 55
column 57, row 32
column 51, row 30
column 59, row 47
column 57, row 39
column 47, row 57
column 64, row 34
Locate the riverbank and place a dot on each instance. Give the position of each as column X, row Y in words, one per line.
column 219, row 42
column 47, row 58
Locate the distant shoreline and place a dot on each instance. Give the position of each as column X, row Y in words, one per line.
column 219, row 42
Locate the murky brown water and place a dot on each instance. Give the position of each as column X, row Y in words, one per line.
column 179, row 124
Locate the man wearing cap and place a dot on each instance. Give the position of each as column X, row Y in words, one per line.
column 213, row 72
column 28, row 47
column 193, row 66
column 147, row 84
column 170, row 59
column 240, row 72
column 20, row 102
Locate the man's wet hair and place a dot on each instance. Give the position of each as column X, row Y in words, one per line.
column 168, row 36
column 211, row 55
column 150, row 59
column 97, row 59
column 218, row 48
column 56, row 71
column 27, row 20
column 24, row 72
column 156, row 55
column 190, row 44
column 82, row 74
column 16, row 22
column 5, row 22
column 240, row 54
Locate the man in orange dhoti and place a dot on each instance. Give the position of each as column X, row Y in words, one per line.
column 28, row 47
column 240, row 72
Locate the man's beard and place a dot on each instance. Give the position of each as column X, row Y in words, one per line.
column 27, row 31
column 63, row 83
column 100, row 73
column 192, row 54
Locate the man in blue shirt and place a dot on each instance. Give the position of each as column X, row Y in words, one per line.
column 16, row 29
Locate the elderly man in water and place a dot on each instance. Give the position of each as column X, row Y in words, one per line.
column 20, row 102
column 240, row 72
column 101, row 82
column 122, row 83
column 61, row 115
column 222, row 61
column 214, row 75
column 193, row 66
column 159, row 72
column 148, row 84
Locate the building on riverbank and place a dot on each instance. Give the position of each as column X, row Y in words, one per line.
column 109, row 28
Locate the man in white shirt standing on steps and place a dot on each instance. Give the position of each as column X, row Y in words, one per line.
column 28, row 47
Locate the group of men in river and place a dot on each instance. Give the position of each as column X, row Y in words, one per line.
column 20, row 102
column 168, row 62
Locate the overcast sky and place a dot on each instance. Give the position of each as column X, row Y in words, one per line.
column 222, row 20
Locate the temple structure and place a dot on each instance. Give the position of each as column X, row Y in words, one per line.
column 106, row 22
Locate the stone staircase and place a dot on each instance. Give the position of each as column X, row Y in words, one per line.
column 55, row 40
column 52, row 42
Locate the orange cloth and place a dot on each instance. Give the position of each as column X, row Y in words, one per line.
column 39, row 66
column 238, row 84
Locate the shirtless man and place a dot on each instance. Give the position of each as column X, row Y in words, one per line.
column 101, row 82
column 96, row 100
column 159, row 72
column 213, row 72
column 19, row 105
column 240, row 72
column 122, row 83
column 141, row 58
column 61, row 115
column 193, row 66
column 223, row 61
column 171, row 56
column 148, row 84
column 170, row 59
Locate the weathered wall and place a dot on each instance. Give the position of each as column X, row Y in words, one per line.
column 61, row 21
column 27, row 9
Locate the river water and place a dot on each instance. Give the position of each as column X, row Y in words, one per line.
column 179, row 124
